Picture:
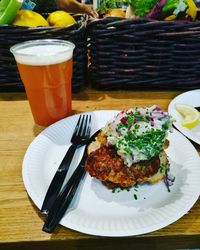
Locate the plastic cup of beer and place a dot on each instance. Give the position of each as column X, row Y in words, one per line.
column 45, row 68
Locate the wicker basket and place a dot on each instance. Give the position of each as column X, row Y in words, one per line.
column 142, row 53
column 10, row 35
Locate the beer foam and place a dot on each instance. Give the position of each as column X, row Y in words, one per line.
column 43, row 54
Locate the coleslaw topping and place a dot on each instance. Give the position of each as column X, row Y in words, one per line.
column 138, row 133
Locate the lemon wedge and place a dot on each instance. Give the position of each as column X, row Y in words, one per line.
column 190, row 115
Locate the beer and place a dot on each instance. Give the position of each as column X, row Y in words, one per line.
column 45, row 67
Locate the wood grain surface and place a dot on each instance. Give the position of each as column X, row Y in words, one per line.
column 20, row 220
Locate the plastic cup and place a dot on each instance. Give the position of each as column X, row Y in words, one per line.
column 45, row 68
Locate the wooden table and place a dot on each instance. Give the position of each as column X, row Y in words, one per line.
column 20, row 220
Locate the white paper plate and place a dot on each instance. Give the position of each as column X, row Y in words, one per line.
column 96, row 210
column 191, row 98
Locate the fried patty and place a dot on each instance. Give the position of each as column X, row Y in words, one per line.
column 106, row 165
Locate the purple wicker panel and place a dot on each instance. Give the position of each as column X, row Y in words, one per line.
column 142, row 53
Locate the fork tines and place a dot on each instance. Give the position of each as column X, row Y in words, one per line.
column 83, row 125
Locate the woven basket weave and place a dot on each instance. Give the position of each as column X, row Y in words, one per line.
column 10, row 35
column 141, row 53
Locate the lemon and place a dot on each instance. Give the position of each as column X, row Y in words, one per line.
column 189, row 114
column 60, row 18
column 29, row 18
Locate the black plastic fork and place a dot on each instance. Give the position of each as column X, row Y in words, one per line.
column 79, row 138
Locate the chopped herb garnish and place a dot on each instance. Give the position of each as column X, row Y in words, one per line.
column 135, row 196
column 162, row 168
column 137, row 126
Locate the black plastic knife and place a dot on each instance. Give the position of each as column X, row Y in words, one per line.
column 64, row 199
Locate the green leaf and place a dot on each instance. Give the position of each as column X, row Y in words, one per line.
column 142, row 7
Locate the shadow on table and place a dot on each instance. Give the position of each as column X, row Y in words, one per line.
column 12, row 96
column 37, row 129
column 119, row 93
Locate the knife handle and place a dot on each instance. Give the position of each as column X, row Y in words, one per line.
column 63, row 200
column 57, row 181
